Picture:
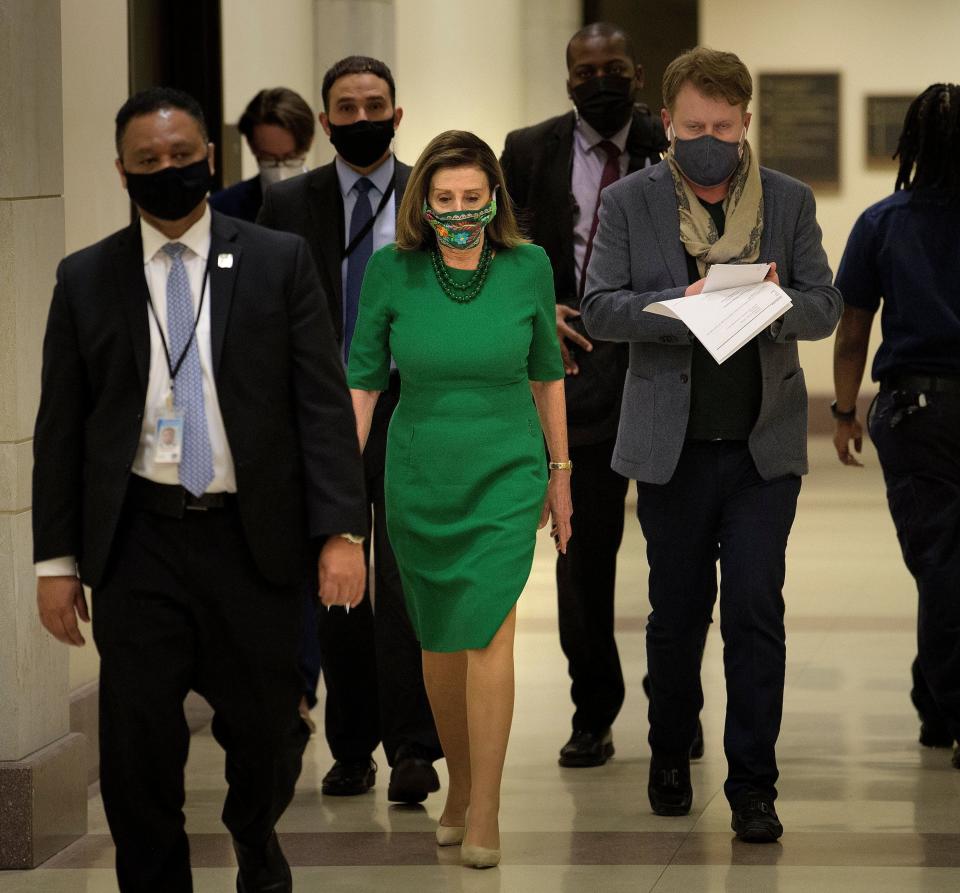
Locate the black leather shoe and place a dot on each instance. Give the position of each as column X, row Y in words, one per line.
column 412, row 778
column 955, row 759
column 348, row 779
column 669, row 788
column 262, row 869
column 586, row 749
column 755, row 820
column 933, row 734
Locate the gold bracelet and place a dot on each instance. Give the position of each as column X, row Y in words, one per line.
column 352, row 538
column 561, row 466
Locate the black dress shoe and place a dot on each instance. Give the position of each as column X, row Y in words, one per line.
column 348, row 779
column 755, row 820
column 669, row 788
column 412, row 778
column 933, row 734
column 262, row 869
column 586, row 749
column 955, row 759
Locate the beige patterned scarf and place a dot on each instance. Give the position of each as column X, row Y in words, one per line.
column 743, row 209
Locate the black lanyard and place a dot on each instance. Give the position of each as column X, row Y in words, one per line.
column 172, row 368
column 359, row 237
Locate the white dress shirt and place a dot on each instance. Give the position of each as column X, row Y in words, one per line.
column 156, row 268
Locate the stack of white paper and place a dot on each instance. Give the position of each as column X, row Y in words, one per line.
column 735, row 305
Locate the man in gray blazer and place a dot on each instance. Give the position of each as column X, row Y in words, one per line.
column 717, row 450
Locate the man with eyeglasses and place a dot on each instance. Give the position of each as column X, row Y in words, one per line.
column 278, row 126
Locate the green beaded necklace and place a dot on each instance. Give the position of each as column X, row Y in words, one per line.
column 462, row 292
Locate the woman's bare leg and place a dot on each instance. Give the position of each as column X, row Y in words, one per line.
column 445, row 678
column 489, row 703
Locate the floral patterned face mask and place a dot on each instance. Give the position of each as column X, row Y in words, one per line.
column 460, row 229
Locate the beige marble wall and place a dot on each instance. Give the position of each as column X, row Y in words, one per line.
column 33, row 668
column 42, row 766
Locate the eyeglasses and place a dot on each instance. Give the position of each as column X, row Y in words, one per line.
column 269, row 162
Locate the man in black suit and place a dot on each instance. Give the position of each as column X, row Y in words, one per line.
column 219, row 330
column 278, row 126
column 554, row 172
column 370, row 657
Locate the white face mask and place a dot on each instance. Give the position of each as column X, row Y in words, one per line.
column 275, row 171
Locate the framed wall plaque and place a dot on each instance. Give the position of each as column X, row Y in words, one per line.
column 885, row 116
column 799, row 116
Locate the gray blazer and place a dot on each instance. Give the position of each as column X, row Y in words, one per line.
column 638, row 258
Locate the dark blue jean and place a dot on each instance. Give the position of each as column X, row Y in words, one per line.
column 717, row 507
column 918, row 442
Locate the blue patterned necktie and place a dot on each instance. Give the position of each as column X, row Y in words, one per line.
column 357, row 262
column 196, row 460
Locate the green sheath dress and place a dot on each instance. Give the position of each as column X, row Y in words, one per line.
column 466, row 469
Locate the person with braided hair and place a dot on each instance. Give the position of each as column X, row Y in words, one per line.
column 904, row 253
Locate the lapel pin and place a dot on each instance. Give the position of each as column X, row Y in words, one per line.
column 224, row 261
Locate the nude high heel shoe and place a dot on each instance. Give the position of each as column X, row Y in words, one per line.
column 450, row 835
column 479, row 856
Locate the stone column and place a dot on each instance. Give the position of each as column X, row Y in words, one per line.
column 350, row 28
column 43, row 782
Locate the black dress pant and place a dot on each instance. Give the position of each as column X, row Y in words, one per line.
column 183, row 607
column 586, row 579
column 371, row 658
column 717, row 505
column 919, row 450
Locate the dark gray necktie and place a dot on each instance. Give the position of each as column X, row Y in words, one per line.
column 357, row 262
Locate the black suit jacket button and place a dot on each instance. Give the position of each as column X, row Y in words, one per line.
column 667, row 339
column 684, row 377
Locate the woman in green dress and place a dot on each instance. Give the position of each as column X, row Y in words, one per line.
column 465, row 307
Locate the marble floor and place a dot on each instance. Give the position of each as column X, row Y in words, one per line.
column 864, row 806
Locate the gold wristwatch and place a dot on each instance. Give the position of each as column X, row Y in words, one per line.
column 561, row 466
column 352, row 538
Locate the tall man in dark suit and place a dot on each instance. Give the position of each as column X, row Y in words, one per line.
column 194, row 542
column 555, row 171
column 370, row 657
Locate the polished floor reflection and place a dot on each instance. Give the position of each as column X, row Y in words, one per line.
column 864, row 806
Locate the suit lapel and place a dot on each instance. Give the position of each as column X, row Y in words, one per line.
column 768, row 208
column 402, row 173
column 132, row 287
column 557, row 194
column 644, row 141
column 223, row 264
column 662, row 208
column 326, row 213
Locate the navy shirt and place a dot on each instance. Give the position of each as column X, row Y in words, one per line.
column 241, row 200
column 905, row 250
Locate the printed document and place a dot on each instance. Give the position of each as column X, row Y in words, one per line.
column 725, row 318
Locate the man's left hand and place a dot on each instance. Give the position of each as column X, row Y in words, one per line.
column 844, row 432
column 772, row 274
column 342, row 572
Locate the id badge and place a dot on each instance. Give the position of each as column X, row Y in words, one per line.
column 169, row 437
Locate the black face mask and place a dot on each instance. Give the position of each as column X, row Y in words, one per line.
column 605, row 103
column 170, row 194
column 363, row 142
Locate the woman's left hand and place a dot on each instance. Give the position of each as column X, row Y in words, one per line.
column 559, row 506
